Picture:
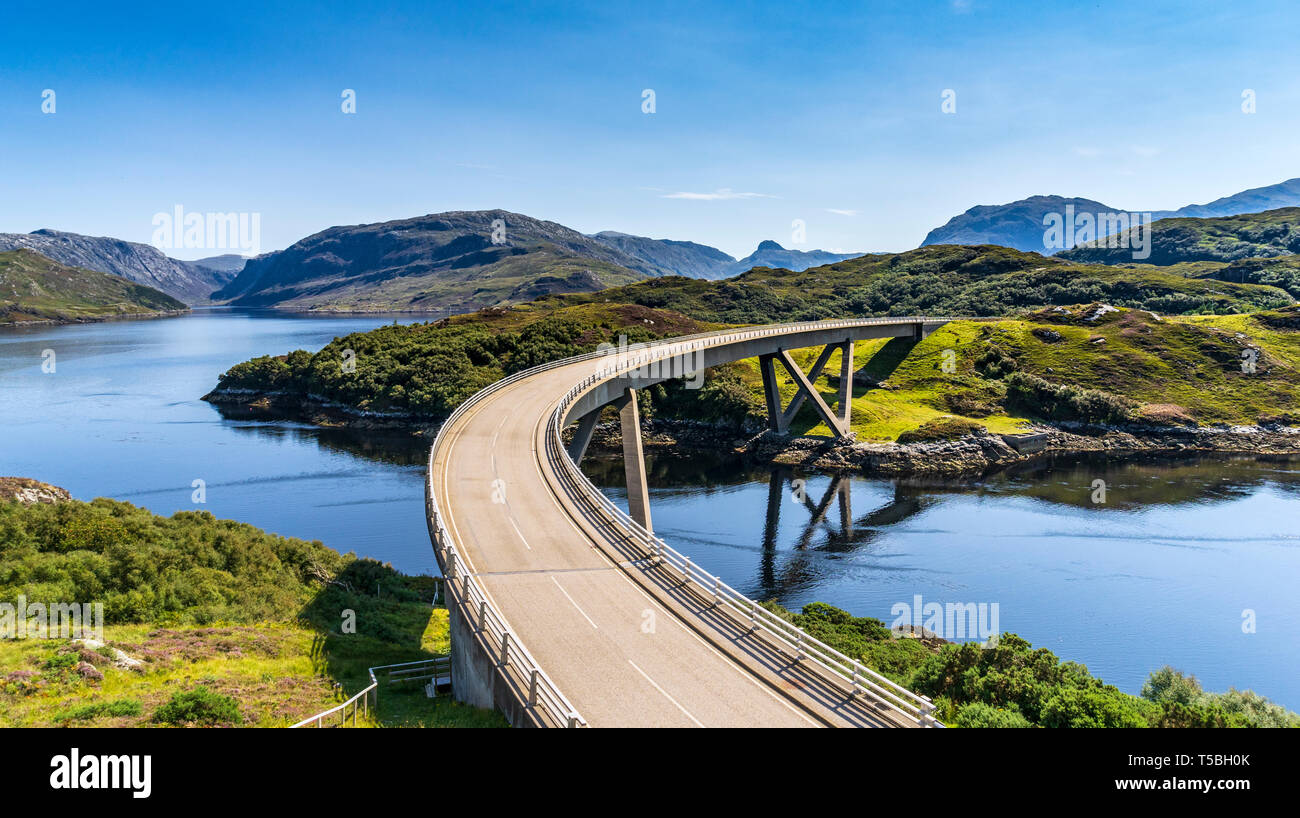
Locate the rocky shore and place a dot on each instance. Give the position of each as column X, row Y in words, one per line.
column 974, row 453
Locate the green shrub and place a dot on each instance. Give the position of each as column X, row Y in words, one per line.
column 1050, row 401
column 940, row 429
column 86, row 712
column 200, row 706
column 978, row 714
column 1169, row 685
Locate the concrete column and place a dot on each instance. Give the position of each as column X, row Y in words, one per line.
column 771, row 392
column 582, row 437
column 846, row 383
column 638, row 492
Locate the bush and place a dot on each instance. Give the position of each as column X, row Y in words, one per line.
column 940, row 429
column 978, row 714
column 1169, row 685
column 199, row 706
column 1050, row 401
column 86, row 712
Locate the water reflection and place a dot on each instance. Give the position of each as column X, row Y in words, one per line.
column 1161, row 572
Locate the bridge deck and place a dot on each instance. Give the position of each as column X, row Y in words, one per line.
column 627, row 644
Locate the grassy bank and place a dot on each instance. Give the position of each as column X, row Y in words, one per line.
column 247, row 628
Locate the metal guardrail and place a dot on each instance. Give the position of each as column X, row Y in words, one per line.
column 797, row 641
column 547, row 704
column 545, row 701
column 369, row 697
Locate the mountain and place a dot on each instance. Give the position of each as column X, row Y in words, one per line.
column 1018, row 225
column 668, row 257
column 140, row 263
column 1226, row 239
column 36, row 288
column 771, row 254
column 1255, row 200
column 461, row 260
column 230, row 263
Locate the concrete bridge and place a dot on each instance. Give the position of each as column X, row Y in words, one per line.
column 566, row 611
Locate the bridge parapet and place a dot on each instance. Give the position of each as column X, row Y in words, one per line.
column 492, row 668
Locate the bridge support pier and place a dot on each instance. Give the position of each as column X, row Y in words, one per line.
column 638, row 490
column 779, row 419
column 582, row 437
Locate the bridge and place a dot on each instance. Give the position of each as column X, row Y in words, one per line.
column 568, row 612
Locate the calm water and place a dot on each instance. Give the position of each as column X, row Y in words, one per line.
column 121, row 417
column 1159, row 574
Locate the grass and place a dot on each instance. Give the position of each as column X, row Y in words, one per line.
column 284, row 627
column 278, row 673
column 34, row 288
column 1188, row 367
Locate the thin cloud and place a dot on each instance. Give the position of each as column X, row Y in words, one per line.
column 1088, row 151
column 718, row 195
column 838, row 212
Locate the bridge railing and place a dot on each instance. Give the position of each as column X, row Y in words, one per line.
column 796, row 641
column 545, row 701
column 548, row 705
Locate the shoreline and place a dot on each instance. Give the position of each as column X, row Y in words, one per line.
column 973, row 454
column 95, row 319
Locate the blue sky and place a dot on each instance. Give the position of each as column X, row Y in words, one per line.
column 799, row 110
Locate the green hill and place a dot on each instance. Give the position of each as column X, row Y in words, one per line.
column 1057, row 362
column 34, row 288
column 457, row 261
column 939, row 280
column 1224, row 239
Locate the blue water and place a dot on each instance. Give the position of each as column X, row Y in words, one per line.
column 121, row 417
column 1160, row 573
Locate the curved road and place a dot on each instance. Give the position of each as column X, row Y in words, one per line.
column 624, row 645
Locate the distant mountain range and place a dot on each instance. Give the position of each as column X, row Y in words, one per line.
column 686, row 258
column 452, row 261
column 187, row 281
column 457, row 261
column 464, row 260
column 36, row 288
column 1020, row 224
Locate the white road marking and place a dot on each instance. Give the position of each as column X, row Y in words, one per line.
column 517, row 531
column 575, row 604
column 464, row 557
column 665, row 693
column 671, row 617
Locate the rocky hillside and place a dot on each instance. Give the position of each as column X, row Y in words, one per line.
column 457, row 261
column 35, row 288
column 668, row 257
column 189, row 282
column 771, row 254
column 1019, row 224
